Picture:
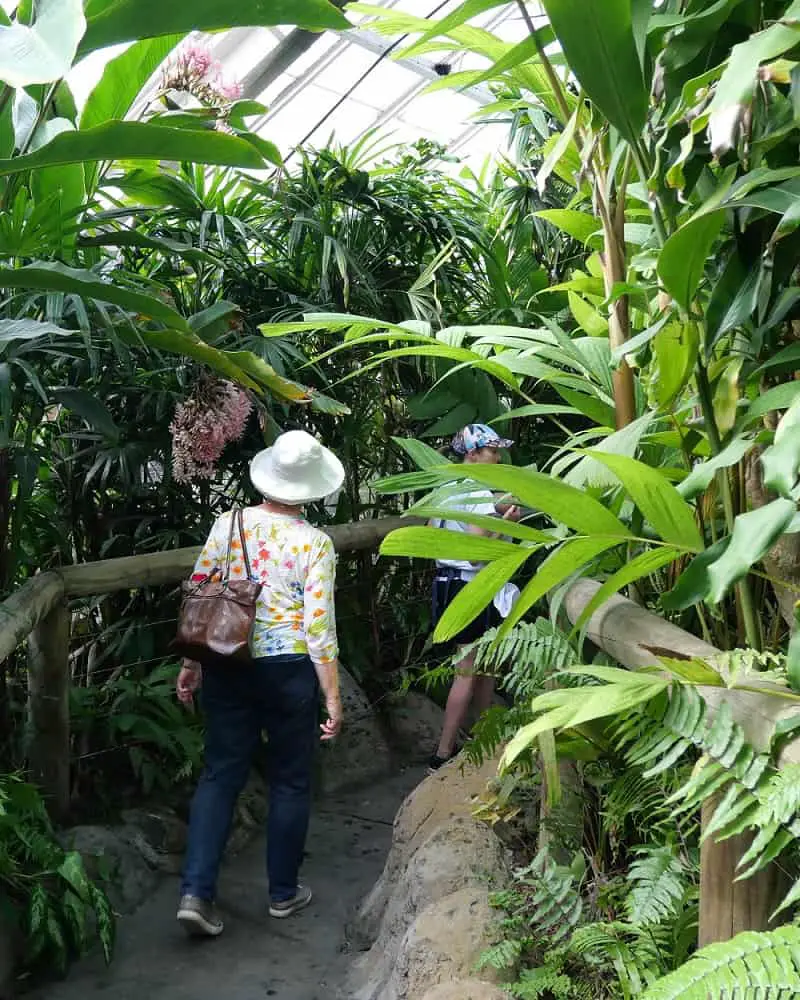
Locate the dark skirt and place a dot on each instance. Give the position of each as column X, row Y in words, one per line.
column 446, row 586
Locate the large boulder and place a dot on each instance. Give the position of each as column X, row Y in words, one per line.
column 119, row 857
column 414, row 723
column 444, row 796
column 442, row 860
column 360, row 754
column 444, row 943
column 465, row 989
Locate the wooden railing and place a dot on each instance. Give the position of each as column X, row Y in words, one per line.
column 39, row 612
column 628, row 633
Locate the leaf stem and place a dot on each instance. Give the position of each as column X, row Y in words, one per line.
column 743, row 589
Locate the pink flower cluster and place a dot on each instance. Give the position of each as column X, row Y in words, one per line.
column 196, row 72
column 212, row 417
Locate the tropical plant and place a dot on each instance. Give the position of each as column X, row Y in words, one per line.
column 45, row 892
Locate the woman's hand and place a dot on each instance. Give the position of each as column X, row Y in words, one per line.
column 333, row 726
column 188, row 681
column 512, row 513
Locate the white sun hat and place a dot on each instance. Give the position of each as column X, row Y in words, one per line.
column 296, row 469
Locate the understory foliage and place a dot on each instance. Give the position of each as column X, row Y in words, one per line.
column 46, row 896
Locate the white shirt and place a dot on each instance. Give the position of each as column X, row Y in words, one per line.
column 475, row 502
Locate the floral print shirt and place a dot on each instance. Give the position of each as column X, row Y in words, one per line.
column 296, row 564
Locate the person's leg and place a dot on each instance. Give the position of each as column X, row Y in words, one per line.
column 484, row 693
column 232, row 731
column 458, row 702
column 291, row 709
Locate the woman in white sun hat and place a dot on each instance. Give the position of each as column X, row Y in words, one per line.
column 294, row 655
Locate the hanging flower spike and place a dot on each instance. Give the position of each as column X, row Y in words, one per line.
column 194, row 71
column 203, row 425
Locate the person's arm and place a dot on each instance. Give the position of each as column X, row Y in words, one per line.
column 190, row 675
column 319, row 616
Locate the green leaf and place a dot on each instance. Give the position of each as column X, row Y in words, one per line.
column 701, row 475
column 131, row 20
column 139, row 141
column 29, row 329
column 535, row 410
column 567, row 559
column 781, row 461
column 463, row 13
column 641, row 565
column 682, row 261
column 121, row 83
column 572, row 707
column 740, row 79
column 55, row 277
column 469, row 602
column 599, row 45
column 421, row 454
column 779, row 397
column 676, row 348
column 89, row 408
column 656, row 498
column 752, row 537
column 693, row 584
column 563, row 503
column 579, row 225
column 45, row 51
column 587, row 318
column 438, row 543
column 486, row 521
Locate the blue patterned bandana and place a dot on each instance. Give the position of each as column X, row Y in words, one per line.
column 475, row 436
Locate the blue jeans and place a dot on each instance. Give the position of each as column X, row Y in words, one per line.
column 279, row 694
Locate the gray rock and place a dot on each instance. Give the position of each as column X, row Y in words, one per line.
column 360, row 754
column 458, row 854
column 162, row 829
column 118, row 856
column 415, row 724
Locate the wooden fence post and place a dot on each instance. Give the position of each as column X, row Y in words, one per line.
column 728, row 907
column 48, row 701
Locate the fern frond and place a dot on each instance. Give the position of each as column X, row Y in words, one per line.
column 754, row 964
column 554, row 904
column 501, row 956
column 534, row 651
column 658, row 886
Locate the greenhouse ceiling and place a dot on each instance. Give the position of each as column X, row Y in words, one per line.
column 343, row 85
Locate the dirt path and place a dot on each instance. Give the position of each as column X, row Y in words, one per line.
column 297, row 959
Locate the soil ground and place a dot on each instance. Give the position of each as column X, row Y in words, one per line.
column 256, row 957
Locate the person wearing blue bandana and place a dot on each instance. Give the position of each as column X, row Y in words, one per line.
column 476, row 444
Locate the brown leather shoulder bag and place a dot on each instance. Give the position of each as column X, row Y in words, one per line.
column 217, row 615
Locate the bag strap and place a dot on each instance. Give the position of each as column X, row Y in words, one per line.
column 229, row 554
column 243, row 540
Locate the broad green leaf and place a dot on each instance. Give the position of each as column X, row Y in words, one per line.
column 587, row 317
column 699, row 479
column 421, row 454
column 139, row 141
column 215, row 320
column 56, row 277
column 572, row 707
column 226, row 363
column 740, row 79
column 463, row 13
column 726, row 394
column 640, row 566
column 567, row 559
column 29, row 329
column 682, row 261
column 598, row 42
column 579, row 225
column 562, row 503
column 656, row 498
column 89, row 408
column 438, row 543
column 781, row 461
column 121, row 83
column 469, row 602
column 753, row 536
column 44, row 52
column 510, row 528
column 693, row 584
column 535, row 410
column 779, row 397
column 131, row 20
column 596, row 409
column 676, row 348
